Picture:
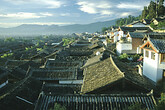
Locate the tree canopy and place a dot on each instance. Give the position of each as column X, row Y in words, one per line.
column 155, row 9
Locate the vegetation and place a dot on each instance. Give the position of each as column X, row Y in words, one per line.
column 29, row 48
column 104, row 29
column 153, row 10
column 127, row 20
column 67, row 41
column 39, row 49
column 136, row 106
column 58, row 107
column 126, row 58
column 123, row 21
column 9, row 39
column 6, row 55
column 161, row 103
column 161, row 25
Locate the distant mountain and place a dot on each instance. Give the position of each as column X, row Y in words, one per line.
column 27, row 29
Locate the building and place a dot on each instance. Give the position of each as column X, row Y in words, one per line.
column 95, row 102
column 154, row 59
column 130, row 43
column 105, row 77
column 136, row 24
column 146, row 21
column 157, row 20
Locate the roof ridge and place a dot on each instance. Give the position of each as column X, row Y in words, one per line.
column 116, row 66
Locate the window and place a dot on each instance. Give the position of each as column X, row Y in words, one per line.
column 146, row 53
column 153, row 55
column 163, row 57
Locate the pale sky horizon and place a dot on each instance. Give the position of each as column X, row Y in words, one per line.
column 64, row 12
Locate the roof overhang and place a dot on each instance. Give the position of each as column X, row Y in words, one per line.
column 148, row 43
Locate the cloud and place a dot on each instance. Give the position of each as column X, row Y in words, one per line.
column 46, row 14
column 130, row 6
column 108, row 9
column 94, row 7
column 25, row 15
column 65, row 14
column 106, row 12
column 47, row 3
column 125, row 14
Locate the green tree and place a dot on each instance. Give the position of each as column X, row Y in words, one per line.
column 136, row 106
column 153, row 25
column 161, row 24
column 104, row 29
column 144, row 12
column 58, row 107
column 152, row 10
column 161, row 102
column 9, row 39
column 161, row 8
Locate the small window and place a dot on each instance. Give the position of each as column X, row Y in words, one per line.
column 163, row 57
column 153, row 55
column 146, row 53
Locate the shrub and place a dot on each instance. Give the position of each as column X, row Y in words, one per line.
column 123, row 57
column 58, row 107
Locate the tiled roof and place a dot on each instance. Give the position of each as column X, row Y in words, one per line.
column 14, row 63
column 3, row 72
column 135, row 22
column 62, row 64
column 133, row 29
column 159, row 44
column 93, row 60
column 95, row 102
column 157, row 35
column 148, row 21
column 28, row 64
column 28, row 90
column 136, row 34
column 100, row 75
column 47, row 74
column 131, row 74
column 108, row 71
column 61, row 88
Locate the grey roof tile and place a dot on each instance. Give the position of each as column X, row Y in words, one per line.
column 159, row 44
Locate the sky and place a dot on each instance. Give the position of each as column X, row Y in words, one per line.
column 66, row 12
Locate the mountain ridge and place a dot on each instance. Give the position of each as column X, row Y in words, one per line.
column 34, row 29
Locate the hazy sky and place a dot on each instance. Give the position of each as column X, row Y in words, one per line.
column 64, row 12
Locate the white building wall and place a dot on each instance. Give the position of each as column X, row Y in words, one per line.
column 123, row 46
column 150, row 67
column 115, row 39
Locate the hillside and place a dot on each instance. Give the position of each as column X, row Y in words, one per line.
column 55, row 29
